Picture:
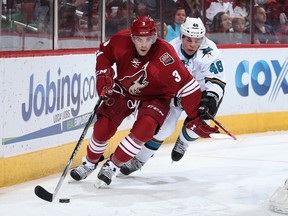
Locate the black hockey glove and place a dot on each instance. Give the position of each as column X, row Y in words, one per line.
column 209, row 103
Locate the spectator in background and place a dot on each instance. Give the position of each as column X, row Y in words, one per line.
column 112, row 19
column 173, row 28
column 195, row 9
column 239, row 36
column 185, row 5
column 42, row 14
column 81, row 17
column 283, row 28
column 242, row 9
column 67, row 19
column 277, row 13
column 118, row 17
column 95, row 28
column 262, row 2
column 159, row 29
column 284, row 12
column 27, row 9
column 126, row 15
column 219, row 6
column 220, row 31
column 147, row 7
column 152, row 8
column 263, row 33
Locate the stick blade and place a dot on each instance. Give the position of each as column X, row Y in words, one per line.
column 43, row 194
column 220, row 136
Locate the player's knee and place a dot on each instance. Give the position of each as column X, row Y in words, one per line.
column 144, row 128
column 104, row 128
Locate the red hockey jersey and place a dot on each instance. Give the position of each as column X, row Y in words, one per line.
column 159, row 74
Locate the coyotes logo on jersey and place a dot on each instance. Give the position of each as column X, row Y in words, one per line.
column 133, row 84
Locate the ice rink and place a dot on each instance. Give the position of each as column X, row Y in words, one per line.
column 216, row 177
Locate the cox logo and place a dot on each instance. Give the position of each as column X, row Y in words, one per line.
column 261, row 78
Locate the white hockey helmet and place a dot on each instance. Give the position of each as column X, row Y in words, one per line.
column 193, row 27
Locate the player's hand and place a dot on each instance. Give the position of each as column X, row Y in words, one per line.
column 104, row 81
column 200, row 127
column 209, row 103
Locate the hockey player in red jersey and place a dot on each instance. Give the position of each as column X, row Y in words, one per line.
column 149, row 74
column 203, row 60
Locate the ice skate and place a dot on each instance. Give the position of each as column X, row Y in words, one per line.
column 105, row 174
column 85, row 169
column 131, row 166
column 178, row 150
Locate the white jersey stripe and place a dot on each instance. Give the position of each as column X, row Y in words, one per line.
column 194, row 86
column 132, row 142
column 190, row 91
column 98, row 151
column 97, row 147
column 126, row 150
column 189, row 88
column 129, row 146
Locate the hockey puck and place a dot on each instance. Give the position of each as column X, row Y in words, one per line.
column 64, row 200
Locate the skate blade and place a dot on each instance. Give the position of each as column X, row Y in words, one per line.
column 99, row 184
column 121, row 175
column 71, row 181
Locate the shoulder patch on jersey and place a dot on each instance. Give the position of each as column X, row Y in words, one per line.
column 166, row 59
column 207, row 51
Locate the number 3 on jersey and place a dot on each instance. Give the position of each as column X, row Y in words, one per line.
column 216, row 67
column 176, row 75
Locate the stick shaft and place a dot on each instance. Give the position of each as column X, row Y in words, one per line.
column 44, row 194
column 221, row 126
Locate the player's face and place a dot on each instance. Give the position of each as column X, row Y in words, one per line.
column 191, row 45
column 143, row 44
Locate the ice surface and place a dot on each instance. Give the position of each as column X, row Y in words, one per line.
column 216, row 177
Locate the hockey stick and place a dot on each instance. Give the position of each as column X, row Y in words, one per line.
column 220, row 136
column 221, row 126
column 43, row 193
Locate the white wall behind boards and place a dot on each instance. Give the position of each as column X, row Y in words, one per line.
column 45, row 100
column 257, row 80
